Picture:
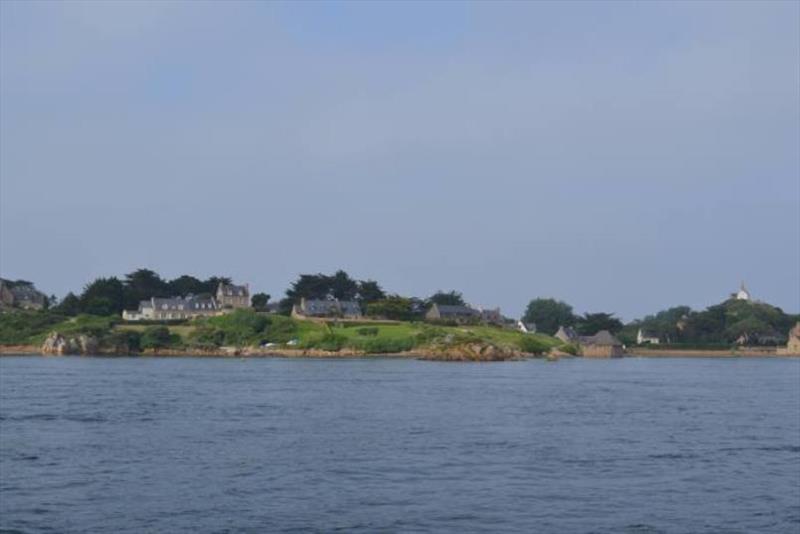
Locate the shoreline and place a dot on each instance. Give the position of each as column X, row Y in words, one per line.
column 250, row 352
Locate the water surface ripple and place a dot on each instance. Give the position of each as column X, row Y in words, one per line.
column 387, row 445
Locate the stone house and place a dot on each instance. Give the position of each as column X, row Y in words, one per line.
column 233, row 296
column 176, row 308
column 492, row 316
column 793, row 345
column 22, row 295
column 601, row 345
column 348, row 309
column 646, row 338
column 458, row 314
column 566, row 334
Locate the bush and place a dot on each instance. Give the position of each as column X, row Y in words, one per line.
column 123, row 341
column 569, row 348
column 156, row 337
column 19, row 328
column 384, row 345
column 330, row 342
column 533, row 346
column 367, row 331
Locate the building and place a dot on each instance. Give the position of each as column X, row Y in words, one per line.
column 526, row 328
column 793, row 345
column 454, row 313
column 601, row 345
column 176, row 308
column 566, row 334
column 646, row 338
column 348, row 309
column 233, row 296
column 492, row 316
column 21, row 294
column 742, row 294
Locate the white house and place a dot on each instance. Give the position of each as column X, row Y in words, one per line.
column 643, row 337
column 743, row 293
column 526, row 328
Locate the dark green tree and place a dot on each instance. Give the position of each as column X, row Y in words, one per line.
column 259, row 301
column 450, row 298
column 370, row 291
column 343, row 287
column 188, row 285
column 143, row 284
column 104, row 296
column 394, row 307
column 591, row 323
column 69, row 305
column 549, row 314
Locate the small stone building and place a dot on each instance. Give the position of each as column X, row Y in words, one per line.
column 233, row 296
column 458, row 314
column 793, row 345
column 566, row 334
column 601, row 345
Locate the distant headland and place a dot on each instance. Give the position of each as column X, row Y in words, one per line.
column 335, row 315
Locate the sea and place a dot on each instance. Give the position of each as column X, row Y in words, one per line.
column 229, row 445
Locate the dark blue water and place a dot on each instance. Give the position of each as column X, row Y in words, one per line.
column 273, row 445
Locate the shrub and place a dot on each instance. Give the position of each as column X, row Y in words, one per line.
column 155, row 337
column 532, row 345
column 330, row 342
column 384, row 345
column 367, row 331
column 569, row 348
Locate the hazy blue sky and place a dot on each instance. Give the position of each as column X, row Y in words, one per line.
column 623, row 157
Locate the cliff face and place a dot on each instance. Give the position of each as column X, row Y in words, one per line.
column 60, row 345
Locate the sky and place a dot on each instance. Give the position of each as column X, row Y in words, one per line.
column 623, row 157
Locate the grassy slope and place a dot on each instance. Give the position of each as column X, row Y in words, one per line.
column 249, row 328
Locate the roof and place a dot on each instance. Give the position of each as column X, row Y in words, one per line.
column 231, row 290
column 603, row 337
column 447, row 309
column 180, row 303
column 567, row 332
column 326, row 307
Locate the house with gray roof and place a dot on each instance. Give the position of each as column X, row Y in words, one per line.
column 566, row 334
column 172, row 309
column 458, row 314
column 526, row 328
column 230, row 296
column 348, row 309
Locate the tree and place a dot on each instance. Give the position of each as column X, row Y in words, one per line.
column 187, row 285
column 342, row 286
column 591, row 323
column 104, row 296
column 69, row 305
column 260, row 301
column 394, row 307
column 451, row 298
column 370, row 291
column 143, row 284
column 549, row 314
column 211, row 284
